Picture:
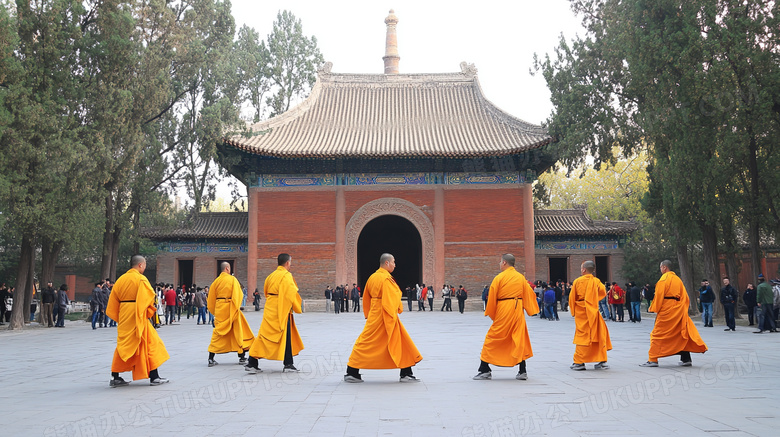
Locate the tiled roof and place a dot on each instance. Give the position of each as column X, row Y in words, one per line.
column 399, row 115
column 560, row 222
column 217, row 225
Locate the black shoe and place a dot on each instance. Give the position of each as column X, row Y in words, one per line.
column 289, row 368
column 727, row 329
column 117, row 382
column 159, row 381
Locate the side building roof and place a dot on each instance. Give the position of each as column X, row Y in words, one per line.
column 211, row 225
column 374, row 116
column 575, row 222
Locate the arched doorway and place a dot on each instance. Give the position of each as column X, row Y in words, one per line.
column 383, row 207
column 395, row 235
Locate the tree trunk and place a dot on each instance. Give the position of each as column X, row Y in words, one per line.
column 753, row 208
column 136, row 228
column 686, row 275
column 115, row 253
column 50, row 252
column 711, row 265
column 755, row 247
column 26, row 259
column 30, row 289
column 108, row 240
column 732, row 265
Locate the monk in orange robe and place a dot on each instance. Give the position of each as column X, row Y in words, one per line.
column 507, row 342
column 674, row 332
column 278, row 338
column 591, row 335
column 231, row 331
column 384, row 342
column 139, row 349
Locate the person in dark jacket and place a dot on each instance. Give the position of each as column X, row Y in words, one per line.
column 750, row 301
column 62, row 305
column 649, row 293
column 97, row 306
column 549, row 302
column 104, row 294
column 635, row 294
column 338, row 298
column 462, row 295
column 729, row 297
column 256, row 299
column 4, row 294
column 355, row 296
column 48, row 298
column 627, row 302
column 328, row 298
column 706, row 297
column 765, row 302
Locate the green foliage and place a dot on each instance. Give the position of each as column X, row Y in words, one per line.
column 251, row 62
column 108, row 107
column 698, row 82
column 292, row 63
column 613, row 192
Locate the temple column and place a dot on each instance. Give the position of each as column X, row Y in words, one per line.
column 438, row 238
column 340, row 253
column 251, row 256
column 529, row 241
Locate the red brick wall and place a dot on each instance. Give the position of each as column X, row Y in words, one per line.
column 290, row 218
column 484, row 215
column 296, row 216
column 313, row 266
column 481, row 216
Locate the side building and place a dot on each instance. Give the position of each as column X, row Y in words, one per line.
column 191, row 254
column 567, row 237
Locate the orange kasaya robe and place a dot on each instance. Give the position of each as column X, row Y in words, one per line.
column 138, row 346
column 591, row 334
column 674, row 330
column 507, row 342
column 282, row 298
column 231, row 330
column 384, row 342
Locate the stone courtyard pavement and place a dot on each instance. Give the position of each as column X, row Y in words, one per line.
column 54, row 382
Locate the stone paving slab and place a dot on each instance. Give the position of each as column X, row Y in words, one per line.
column 54, row 382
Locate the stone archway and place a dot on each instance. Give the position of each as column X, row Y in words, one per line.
column 390, row 206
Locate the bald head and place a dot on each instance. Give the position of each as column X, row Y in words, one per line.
column 138, row 262
column 666, row 266
column 589, row 267
column 387, row 262
column 509, row 259
column 224, row 266
column 385, row 257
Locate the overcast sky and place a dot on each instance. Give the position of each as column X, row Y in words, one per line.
column 498, row 37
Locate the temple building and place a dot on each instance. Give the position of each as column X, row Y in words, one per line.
column 422, row 166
